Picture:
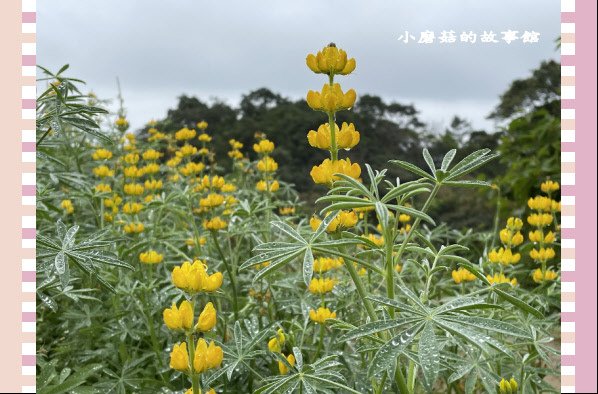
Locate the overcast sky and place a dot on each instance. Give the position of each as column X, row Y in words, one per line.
column 161, row 49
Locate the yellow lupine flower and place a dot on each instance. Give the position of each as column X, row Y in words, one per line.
column 325, row 264
column 321, row 285
column 204, row 137
column 234, row 144
column 173, row 162
column 207, row 356
column 507, row 237
column 539, row 236
column 103, row 188
column 68, row 207
column 151, row 257
column 132, row 172
column 549, row 186
column 503, row 256
column 180, row 318
column 343, row 220
column 514, row 224
column 201, row 241
column 211, row 200
column 131, row 158
column 540, row 203
column 282, row 368
column 267, row 164
column 544, row 254
column 108, row 218
column 153, row 184
column 331, row 98
column 134, row 228
column 378, row 240
column 151, row 154
column 228, row 188
column 203, row 151
column 215, row 182
column 133, row 189
column 202, row 125
column 179, row 358
column 323, row 174
column 149, row 198
column 330, row 60
column 508, row 387
column 192, row 168
column 501, row 278
column 462, row 275
column 150, row 168
column 321, row 315
column 286, row 210
column 115, row 201
column 102, row 171
column 547, row 275
column 404, row 218
column 264, row 146
column 398, row 267
column 193, row 278
column 186, row 150
column 275, row 344
column 184, row 134
column 101, row 154
column 262, row 186
column 156, row 137
column 214, row 224
column 207, row 318
column 539, row 219
column 346, row 138
column 235, row 154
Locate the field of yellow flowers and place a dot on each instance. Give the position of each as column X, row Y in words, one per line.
column 163, row 268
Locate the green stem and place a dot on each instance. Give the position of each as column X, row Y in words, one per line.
column 43, row 136
column 417, row 222
column 230, row 274
column 390, row 283
column 195, row 386
column 333, row 147
column 361, row 291
column 320, row 341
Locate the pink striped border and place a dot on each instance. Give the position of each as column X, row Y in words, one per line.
column 567, row 197
column 578, row 313
column 28, row 96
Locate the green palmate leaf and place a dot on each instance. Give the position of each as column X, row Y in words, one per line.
column 374, row 327
column 288, row 230
column 267, row 256
column 382, row 213
column 429, row 355
column 277, row 264
column 468, row 183
column 405, row 188
column 323, row 226
column 308, row 266
column 357, row 186
column 518, row 303
column 429, row 161
column 75, row 380
column 412, row 212
column 413, row 169
column 488, row 324
column 470, row 163
column 387, row 353
column 448, row 158
column 473, row 336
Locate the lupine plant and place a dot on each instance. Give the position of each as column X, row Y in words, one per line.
column 164, row 268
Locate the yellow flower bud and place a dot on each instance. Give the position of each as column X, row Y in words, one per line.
column 282, row 368
column 207, row 318
column 179, row 358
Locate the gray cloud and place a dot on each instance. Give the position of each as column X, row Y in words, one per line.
column 161, row 49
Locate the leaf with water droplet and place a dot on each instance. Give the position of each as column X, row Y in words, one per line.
column 387, row 354
column 428, row 351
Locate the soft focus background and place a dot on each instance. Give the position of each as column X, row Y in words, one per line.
column 241, row 66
